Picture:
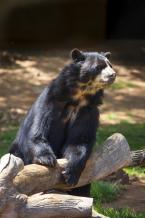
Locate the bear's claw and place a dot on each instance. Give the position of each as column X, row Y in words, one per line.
column 70, row 178
column 47, row 160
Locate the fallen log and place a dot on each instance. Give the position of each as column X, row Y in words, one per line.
column 108, row 158
column 17, row 182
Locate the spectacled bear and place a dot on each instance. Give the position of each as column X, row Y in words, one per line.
column 63, row 121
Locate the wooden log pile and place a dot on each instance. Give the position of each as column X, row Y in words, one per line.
column 22, row 188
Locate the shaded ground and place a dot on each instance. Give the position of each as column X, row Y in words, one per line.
column 133, row 197
column 22, row 77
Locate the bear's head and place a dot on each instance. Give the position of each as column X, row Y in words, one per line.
column 95, row 70
column 89, row 74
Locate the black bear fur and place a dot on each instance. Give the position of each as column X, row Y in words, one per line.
column 64, row 119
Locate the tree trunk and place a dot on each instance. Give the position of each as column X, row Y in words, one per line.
column 16, row 181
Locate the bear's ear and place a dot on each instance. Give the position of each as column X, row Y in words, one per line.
column 107, row 54
column 77, row 55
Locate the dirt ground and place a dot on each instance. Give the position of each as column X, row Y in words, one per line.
column 24, row 74
column 133, row 196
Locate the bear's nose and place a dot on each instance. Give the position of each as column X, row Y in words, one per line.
column 112, row 75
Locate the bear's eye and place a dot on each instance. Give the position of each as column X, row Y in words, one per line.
column 81, row 62
column 100, row 67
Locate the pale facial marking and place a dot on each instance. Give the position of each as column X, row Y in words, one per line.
column 107, row 75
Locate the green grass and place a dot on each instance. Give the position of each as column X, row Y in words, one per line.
column 114, row 117
column 136, row 171
column 6, row 139
column 118, row 213
column 104, row 191
column 134, row 133
column 122, row 85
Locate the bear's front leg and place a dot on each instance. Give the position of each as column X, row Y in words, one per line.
column 43, row 154
column 77, row 156
column 80, row 140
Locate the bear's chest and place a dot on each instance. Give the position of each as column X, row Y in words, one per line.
column 71, row 114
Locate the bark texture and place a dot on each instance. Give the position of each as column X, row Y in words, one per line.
column 17, row 182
